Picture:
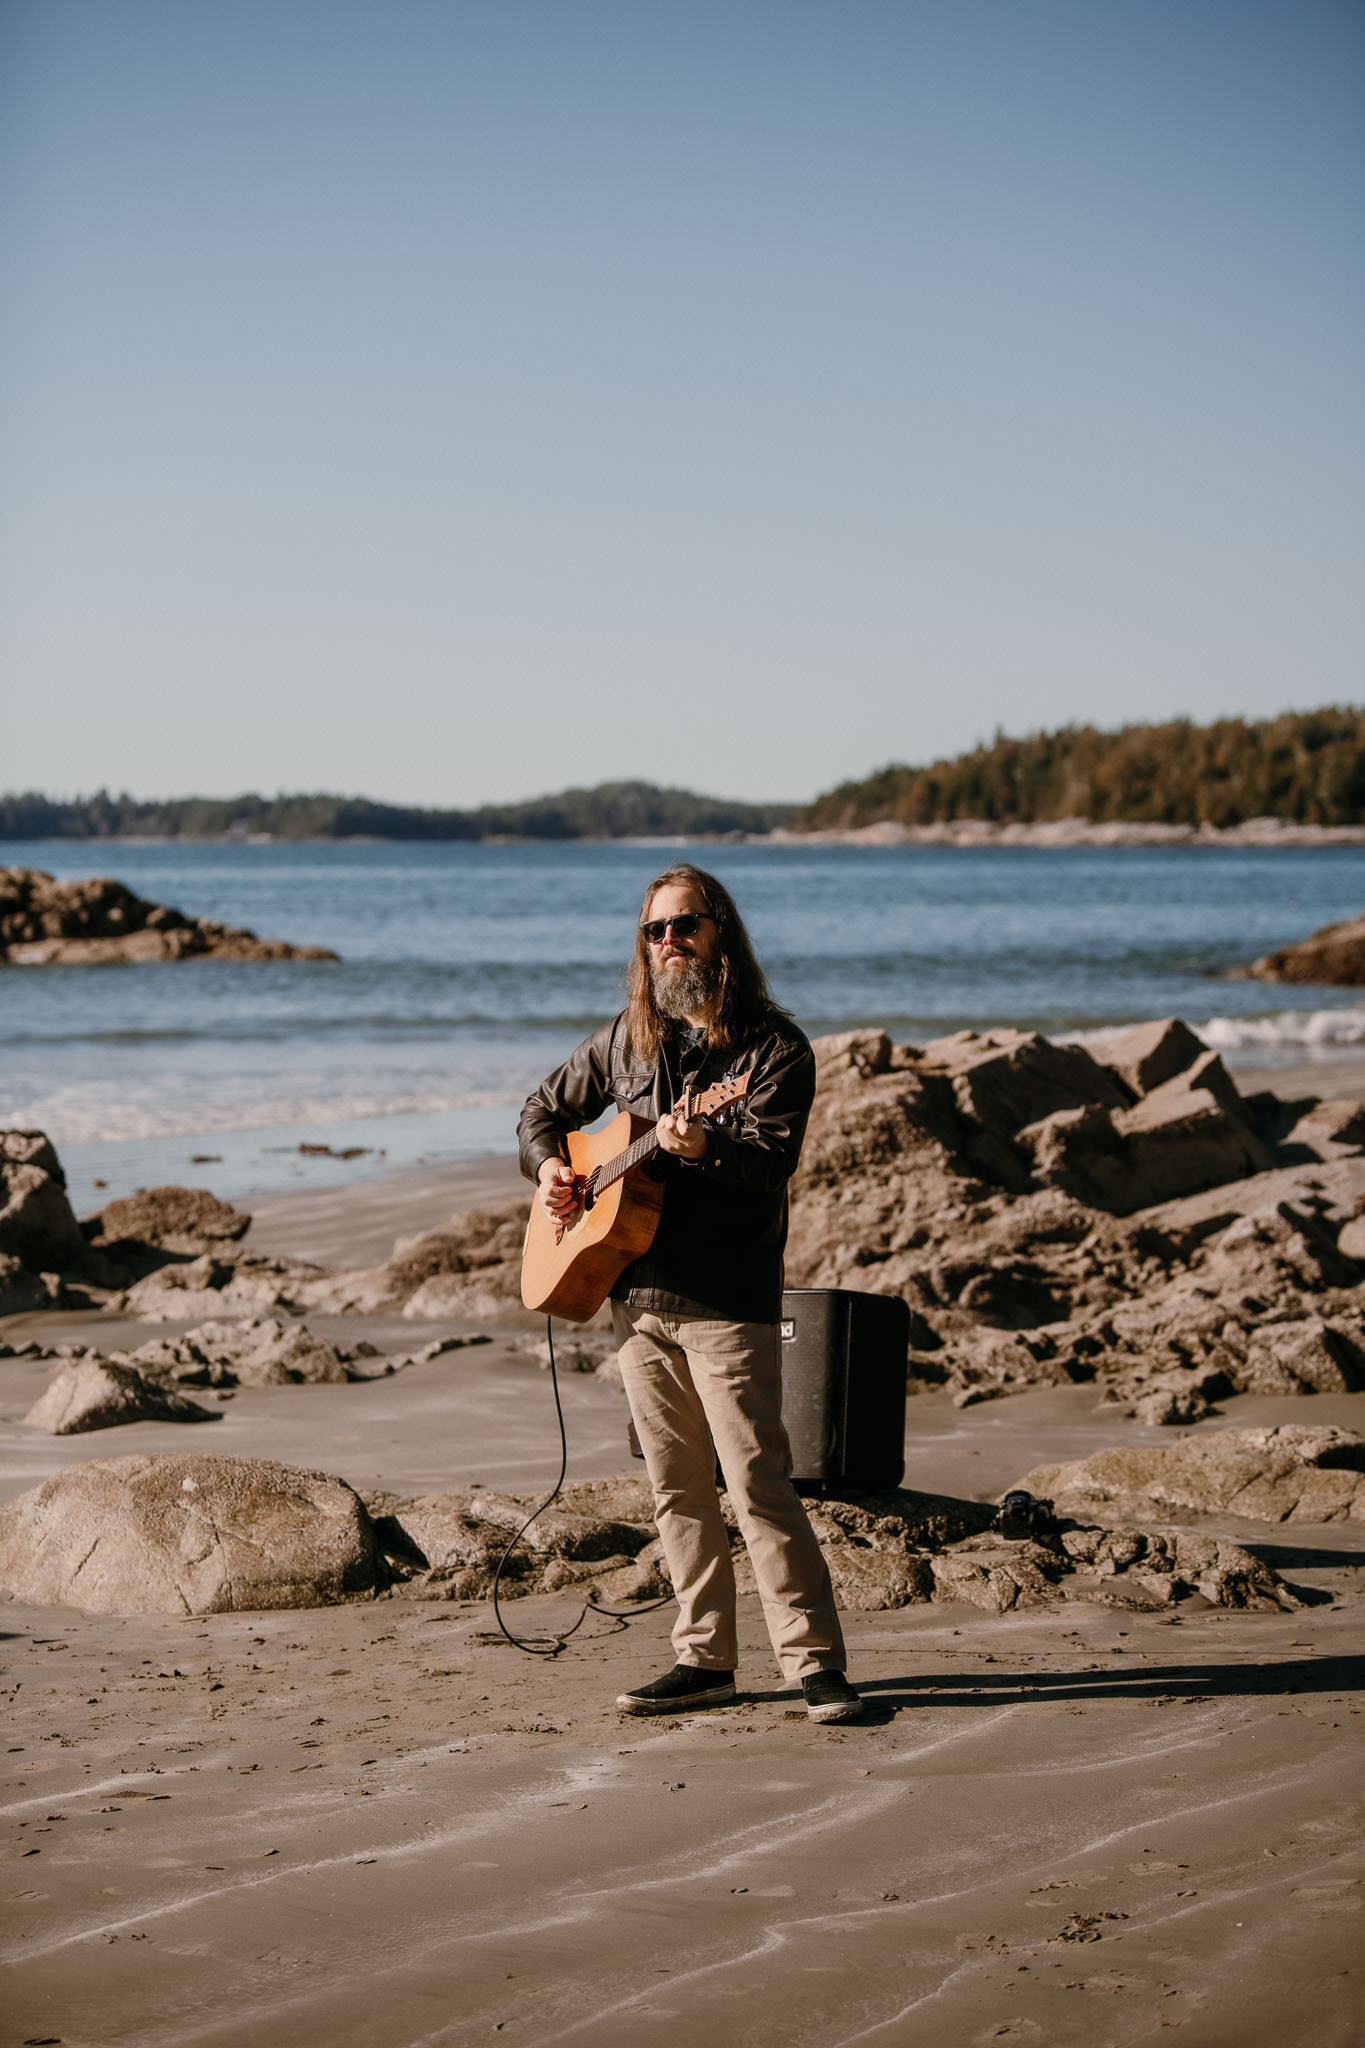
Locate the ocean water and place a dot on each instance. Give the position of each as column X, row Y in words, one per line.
column 467, row 972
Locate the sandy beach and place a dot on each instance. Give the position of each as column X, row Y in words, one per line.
column 1074, row 1825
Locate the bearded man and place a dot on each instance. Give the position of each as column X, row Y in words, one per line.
column 696, row 1316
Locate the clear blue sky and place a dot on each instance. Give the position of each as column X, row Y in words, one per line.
column 453, row 401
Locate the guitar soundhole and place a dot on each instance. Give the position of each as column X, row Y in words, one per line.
column 590, row 1188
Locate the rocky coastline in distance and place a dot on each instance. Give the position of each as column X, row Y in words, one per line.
column 101, row 922
column 984, row 832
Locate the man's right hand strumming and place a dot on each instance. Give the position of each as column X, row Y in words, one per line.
column 557, row 1196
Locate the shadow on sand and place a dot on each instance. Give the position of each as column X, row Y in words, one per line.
column 883, row 1698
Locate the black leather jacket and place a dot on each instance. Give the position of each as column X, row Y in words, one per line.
column 718, row 1247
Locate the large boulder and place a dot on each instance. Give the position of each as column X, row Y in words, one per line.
column 261, row 1351
column 186, row 1535
column 172, row 1219
column 1305, row 1355
column 44, row 922
column 1290, row 1473
column 213, row 1286
column 1333, row 957
column 1003, row 1080
column 1187, row 1134
column 264, row 1352
column 37, row 1224
column 1150, row 1054
column 21, row 1290
column 1184, row 1137
column 94, row 1393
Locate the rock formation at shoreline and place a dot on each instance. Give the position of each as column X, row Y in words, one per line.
column 1291, row 1473
column 202, row 1535
column 101, row 1389
column 1081, row 831
column 99, row 922
column 40, row 1239
column 177, row 1535
column 1118, row 1214
column 1333, row 958
column 1177, row 1244
column 183, row 1238
column 96, row 1393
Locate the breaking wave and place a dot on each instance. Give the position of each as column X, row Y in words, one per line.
column 81, row 1116
column 1287, row 1031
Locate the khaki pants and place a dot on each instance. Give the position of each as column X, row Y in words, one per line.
column 692, row 1384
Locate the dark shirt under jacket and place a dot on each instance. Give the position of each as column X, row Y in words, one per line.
column 718, row 1248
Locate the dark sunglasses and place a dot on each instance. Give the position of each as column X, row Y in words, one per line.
column 684, row 927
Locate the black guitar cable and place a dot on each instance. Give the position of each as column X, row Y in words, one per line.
column 550, row 1646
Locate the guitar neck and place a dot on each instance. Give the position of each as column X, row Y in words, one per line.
column 708, row 1103
column 641, row 1149
column 693, row 1104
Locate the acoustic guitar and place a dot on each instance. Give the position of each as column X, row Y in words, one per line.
column 569, row 1267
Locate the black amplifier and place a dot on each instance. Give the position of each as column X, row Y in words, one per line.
column 844, row 1362
column 844, row 1365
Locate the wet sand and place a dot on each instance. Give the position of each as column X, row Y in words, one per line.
column 1334, row 1080
column 358, row 1225
column 1078, row 1826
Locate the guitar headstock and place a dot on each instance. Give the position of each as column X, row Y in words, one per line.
column 718, row 1096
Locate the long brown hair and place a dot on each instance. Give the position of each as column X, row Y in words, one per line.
column 742, row 997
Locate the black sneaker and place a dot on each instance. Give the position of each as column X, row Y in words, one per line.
column 679, row 1691
column 830, row 1697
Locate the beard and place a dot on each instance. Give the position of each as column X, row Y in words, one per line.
column 684, row 989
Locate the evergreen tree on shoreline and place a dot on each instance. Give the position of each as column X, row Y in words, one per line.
column 1305, row 767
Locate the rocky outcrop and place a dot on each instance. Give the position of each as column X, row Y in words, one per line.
column 1149, row 1569
column 47, row 923
column 198, row 1535
column 37, row 1226
column 181, row 1535
column 446, row 1546
column 168, row 1254
column 94, row 1393
column 884, row 1550
column 1117, row 1213
column 1264, row 1475
column 227, row 1283
column 1333, row 957
column 1034, row 1248
column 95, row 1390
column 40, row 1239
column 169, row 1219
column 256, row 1351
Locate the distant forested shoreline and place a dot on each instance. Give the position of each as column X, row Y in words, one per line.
column 1306, row 767
column 613, row 810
